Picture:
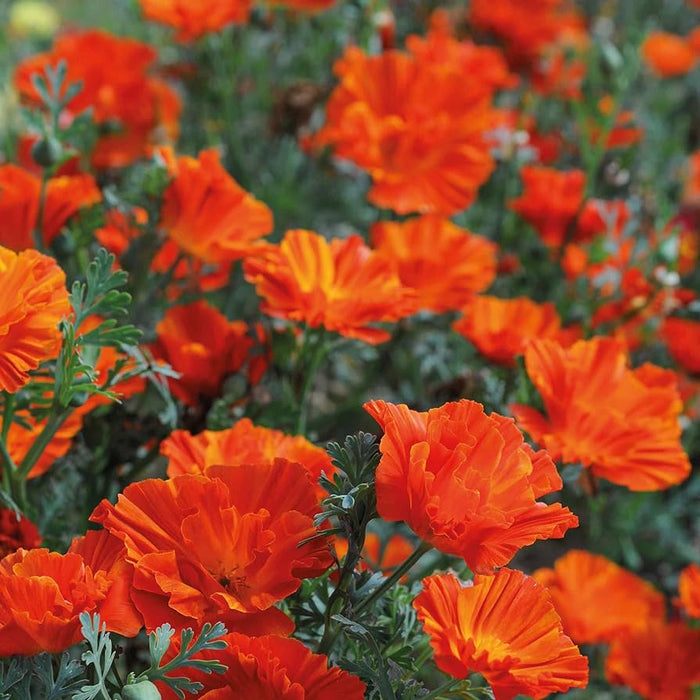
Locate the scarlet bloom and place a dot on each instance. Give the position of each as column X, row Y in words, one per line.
column 421, row 159
column 619, row 422
column 34, row 300
column 200, row 343
column 550, row 202
column 42, row 594
column 117, row 85
column 272, row 668
column 503, row 626
column 16, row 532
column 194, row 19
column 208, row 214
column 502, row 328
column 660, row 661
column 120, row 229
column 668, row 55
column 689, row 589
column 221, row 546
column 244, row 443
column 24, row 431
column 342, row 285
column 443, row 263
column 597, row 599
column 20, row 194
column 465, row 482
column 682, row 336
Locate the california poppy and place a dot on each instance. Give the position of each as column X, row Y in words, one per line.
column 660, row 661
column 194, row 19
column 550, row 202
column 465, row 482
column 631, row 438
column 221, row 546
column 342, row 285
column 417, row 121
column 505, row 628
column 20, row 194
column 244, row 443
column 200, row 343
column 16, row 531
column 668, row 55
column 116, row 84
column 682, row 336
column 501, row 328
column 445, row 264
column 271, row 668
column 597, row 599
column 34, row 300
column 208, row 214
column 689, row 589
column 42, row 594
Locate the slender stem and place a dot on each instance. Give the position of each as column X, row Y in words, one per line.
column 8, row 414
column 389, row 582
column 39, row 228
column 444, row 688
column 8, row 466
column 35, row 451
column 318, row 354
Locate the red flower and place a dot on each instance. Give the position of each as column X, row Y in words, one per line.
column 16, row 532
column 689, row 589
column 598, row 600
column 682, row 337
column 668, row 55
column 342, row 285
column 223, row 546
column 465, row 482
column 619, row 422
column 503, row 626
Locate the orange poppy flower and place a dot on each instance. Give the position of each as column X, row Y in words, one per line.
column 501, row 328
column 660, row 661
column 200, row 343
column 597, row 599
column 505, row 628
column 120, row 229
column 193, row 20
column 443, row 263
column 244, row 443
column 682, row 336
column 668, row 55
column 465, row 482
column 116, row 85
column 34, row 300
column 208, row 214
column 689, row 589
column 272, row 668
column 222, row 546
column 19, row 205
column 417, row 122
column 342, row 285
column 621, row 423
column 22, row 435
column 106, row 554
column 550, row 202
column 16, row 531
column 42, row 594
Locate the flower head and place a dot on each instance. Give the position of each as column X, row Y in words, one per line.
column 503, row 626
column 34, row 300
column 682, row 337
column 16, row 532
column 117, row 86
column 668, row 55
column 465, row 481
column 342, row 285
column 621, row 423
column 444, row 264
column 597, row 599
column 208, row 214
column 220, row 546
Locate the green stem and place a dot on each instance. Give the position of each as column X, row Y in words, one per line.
column 8, row 466
column 444, row 688
column 389, row 582
column 39, row 228
column 318, row 354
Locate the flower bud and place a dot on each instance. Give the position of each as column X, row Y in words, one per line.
column 47, row 151
column 143, row 690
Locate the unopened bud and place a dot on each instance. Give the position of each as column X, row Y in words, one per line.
column 143, row 690
column 47, row 151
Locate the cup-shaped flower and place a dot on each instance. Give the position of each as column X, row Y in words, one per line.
column 34, row 300
column 223, row 546
column 342, row 285
column 503, row 626
column 465, row 481
column 597, row 599
column 621, row 423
